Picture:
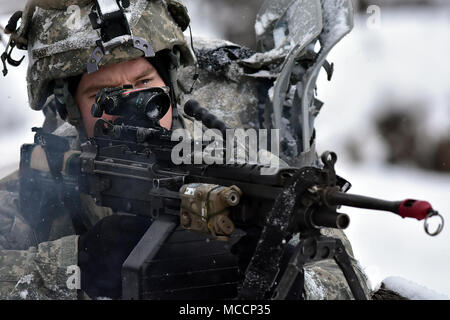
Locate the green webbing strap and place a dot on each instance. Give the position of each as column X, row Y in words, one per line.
column 65, row 99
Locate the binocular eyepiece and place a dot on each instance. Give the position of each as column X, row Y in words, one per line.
column 132, row 105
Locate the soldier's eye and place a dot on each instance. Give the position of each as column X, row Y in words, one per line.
column 144, row 82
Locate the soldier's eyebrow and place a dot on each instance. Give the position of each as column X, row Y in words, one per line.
column 148, row 71
column 95, row 88
column 91, row 90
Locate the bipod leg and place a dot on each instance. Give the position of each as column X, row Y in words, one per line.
column 312, row 249
column 343, row 261
column 293, row 270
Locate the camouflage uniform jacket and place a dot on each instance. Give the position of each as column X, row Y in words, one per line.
column 32, row 270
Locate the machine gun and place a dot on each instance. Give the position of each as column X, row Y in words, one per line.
column 199, row 211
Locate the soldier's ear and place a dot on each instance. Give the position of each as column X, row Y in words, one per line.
column 179, row 13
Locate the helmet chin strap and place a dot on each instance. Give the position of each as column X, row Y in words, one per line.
column 109, row 17
column 67, row 107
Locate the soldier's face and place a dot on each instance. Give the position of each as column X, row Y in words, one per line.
column 139, row 72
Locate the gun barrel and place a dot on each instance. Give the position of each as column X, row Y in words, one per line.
column 357, row 201
column 408, row 208
column 330, row 219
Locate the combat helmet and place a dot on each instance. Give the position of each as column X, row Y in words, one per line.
column 67, row 38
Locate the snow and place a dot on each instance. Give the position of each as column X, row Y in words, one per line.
column 264, row 21
column 270, row 93
column 134, row 10
column 26, row 279
column 47, row 24
column 279, row 36
column 411, row 290
column 57, row 65
column 335, row 18
column 265, row 57
column 23, row 294
column 315, row 290
column 79, row 40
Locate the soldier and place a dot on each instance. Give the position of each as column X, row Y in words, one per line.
column 69, row 63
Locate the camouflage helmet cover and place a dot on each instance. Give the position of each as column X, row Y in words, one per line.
column 61, row 39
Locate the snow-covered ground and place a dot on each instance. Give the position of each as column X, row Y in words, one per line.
column 412, row 290
column 407, row 59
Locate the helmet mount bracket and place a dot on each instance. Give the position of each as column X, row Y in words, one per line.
column 109, row 16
